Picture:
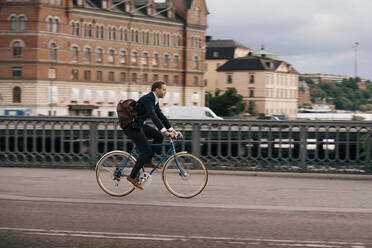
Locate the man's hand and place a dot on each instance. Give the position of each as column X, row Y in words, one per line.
column 170, row 134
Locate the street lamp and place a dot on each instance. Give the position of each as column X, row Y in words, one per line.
column 355, row 46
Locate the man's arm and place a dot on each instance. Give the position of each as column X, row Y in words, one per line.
column 163, row 119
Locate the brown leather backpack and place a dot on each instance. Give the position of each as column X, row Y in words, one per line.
column 126, row 112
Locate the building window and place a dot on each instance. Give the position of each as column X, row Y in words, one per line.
column 176, row 61
column 50, row 24
column 99, row 75
column 13, row 23
column 134, row 77
column 75, row 53
column 166, row 78
column 175, row 79
column 156, row 77
column 195, row 62
column 75, row 75
column 52, row 73
column 111, row 76
column 155, row 61
column 134, row 57
column 251, row 93
column 251, row 78
column 196, row 80
column 17, row 94
column 215, row 54
column 111, row 58
column 56, row 25
column 86, row 75
column 17, row 49
column 17, row 72
column 122, row 76
column 166, row 60
column 22, row 23
column 87, row 54
column 53, row 51
column 123, row 55
column 145, row 59
column 99, row 55
column 229, row 78
column 145, row 77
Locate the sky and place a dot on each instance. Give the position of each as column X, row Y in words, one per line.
column 315, row 36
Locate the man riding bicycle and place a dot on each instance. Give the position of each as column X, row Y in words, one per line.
column 139, row 133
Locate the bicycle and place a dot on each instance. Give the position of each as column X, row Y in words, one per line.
column 184, row 174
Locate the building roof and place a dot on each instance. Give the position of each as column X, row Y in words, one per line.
column 268, row 54
column 222, row 49
column 253, row 63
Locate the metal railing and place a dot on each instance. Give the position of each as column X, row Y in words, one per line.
column 225, row 144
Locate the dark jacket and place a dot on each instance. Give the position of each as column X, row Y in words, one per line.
column 147, row 109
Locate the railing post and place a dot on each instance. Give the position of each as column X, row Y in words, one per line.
column 303, row 150
column 196, row 139
column 92, row 143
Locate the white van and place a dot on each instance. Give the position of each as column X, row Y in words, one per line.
column 184, row 112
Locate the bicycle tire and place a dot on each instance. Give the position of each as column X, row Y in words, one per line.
column 189, row 185
column 106, row 167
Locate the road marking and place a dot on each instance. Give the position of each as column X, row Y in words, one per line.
column 156, row 237
column 185, row 204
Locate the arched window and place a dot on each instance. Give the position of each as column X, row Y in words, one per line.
column 87, row 54
column 126, row 34
column 75, row 53
column 176, row 61
column 53, row 51
column 56, row 25
column 90, row 32
column 113, row 33
column 77, row 29
column 111, row 58
column 134, row 57
column 13, row 23
column 145, row 58
column 22, row 23
column 99, row 54
column 155, row 61
column 123, row 56
column 17, row 49
column 195, row 62
column 136, row 37
column 166, row 60
column 50, row 24
column 17, row 94
column 72, row 28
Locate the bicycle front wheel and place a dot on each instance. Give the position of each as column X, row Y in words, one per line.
column 185, row 175
column 111, row 173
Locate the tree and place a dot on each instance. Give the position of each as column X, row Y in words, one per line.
column 229, row 103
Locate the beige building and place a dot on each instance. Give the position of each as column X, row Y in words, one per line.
column 218, row 53
column 80, row 57
column 269, row 85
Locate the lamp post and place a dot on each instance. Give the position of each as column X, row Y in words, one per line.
column 355, row 46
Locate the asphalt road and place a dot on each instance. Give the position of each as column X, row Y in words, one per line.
column 65, row 208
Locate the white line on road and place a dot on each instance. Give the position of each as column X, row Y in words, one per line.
column 141, row 236
column 184, row 204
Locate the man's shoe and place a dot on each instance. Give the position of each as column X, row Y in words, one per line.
column 135, row 183
column 152, row 165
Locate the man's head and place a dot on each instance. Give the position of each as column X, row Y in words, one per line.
column 159, row 88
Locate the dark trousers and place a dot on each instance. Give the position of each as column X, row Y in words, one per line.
column 140, row 137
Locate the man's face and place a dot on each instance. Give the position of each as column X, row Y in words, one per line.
column 160, row 92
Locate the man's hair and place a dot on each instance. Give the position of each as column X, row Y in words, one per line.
column 157, row 85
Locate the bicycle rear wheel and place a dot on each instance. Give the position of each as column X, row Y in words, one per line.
column 185, row 175
column 111, row 173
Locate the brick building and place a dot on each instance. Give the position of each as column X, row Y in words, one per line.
column 79, row 57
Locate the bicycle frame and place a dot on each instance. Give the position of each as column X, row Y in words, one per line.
column 166, row 156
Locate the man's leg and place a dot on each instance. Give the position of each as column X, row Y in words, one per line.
column 139, row 138
column 152, row 133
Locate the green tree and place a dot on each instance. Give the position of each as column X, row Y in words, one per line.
column 229, row 103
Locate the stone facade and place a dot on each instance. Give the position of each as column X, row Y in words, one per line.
column 80, row 57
